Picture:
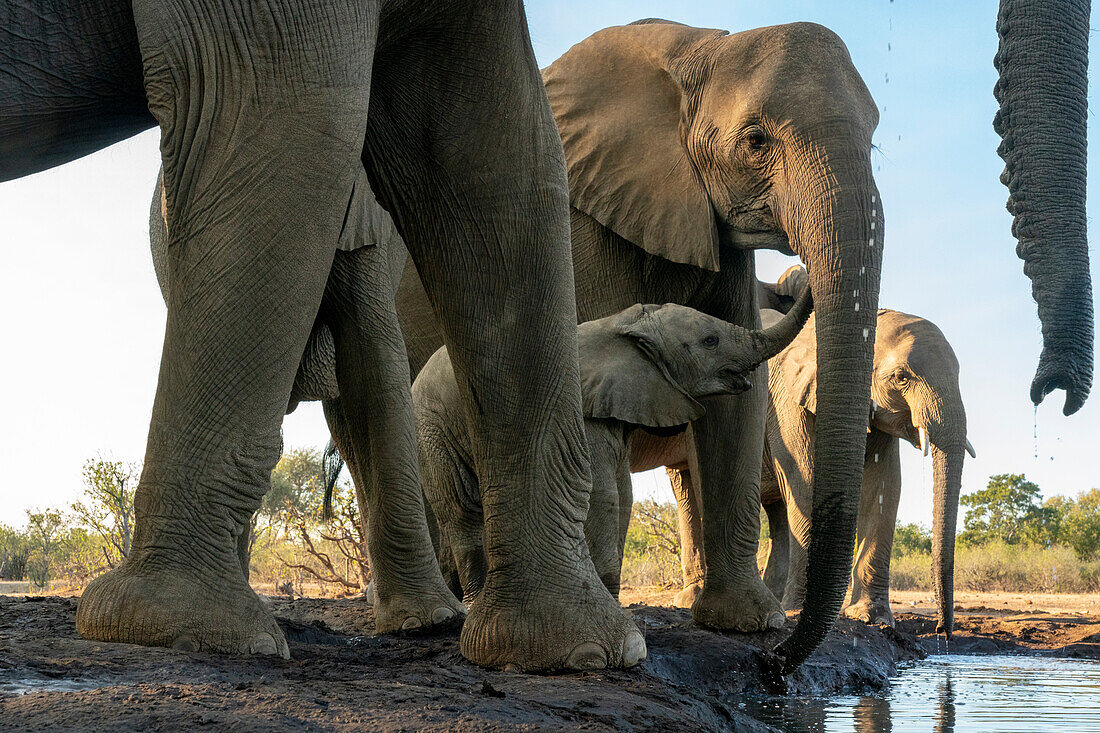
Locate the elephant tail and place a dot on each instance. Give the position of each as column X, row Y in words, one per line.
column 331, row 463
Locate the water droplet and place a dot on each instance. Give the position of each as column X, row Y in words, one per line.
column 872, row 226
column 862, row 270
column 855, row 293
column 866, row 333
column 872, row 198
column 871, row 242
column 876, row 458
column 857, row 306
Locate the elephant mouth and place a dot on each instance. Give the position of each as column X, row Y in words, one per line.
column 753, row 230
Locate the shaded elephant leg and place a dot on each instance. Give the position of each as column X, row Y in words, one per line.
column 603, row 525
column 453, row 497
column 372, row 371
column 869, row 588
column 692, row 561
column 463, row 151
column 244, row 548
column 791, row 444
column 779, row 553
column 260, row 153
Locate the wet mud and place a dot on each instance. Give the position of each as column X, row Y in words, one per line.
column 341, row 677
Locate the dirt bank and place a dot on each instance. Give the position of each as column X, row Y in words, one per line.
column 341, row 678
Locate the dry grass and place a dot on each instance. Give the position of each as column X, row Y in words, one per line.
column 997, row 566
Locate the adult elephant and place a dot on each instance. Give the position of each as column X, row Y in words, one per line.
column 915, row 397
column 263, row 110
column 687, row 148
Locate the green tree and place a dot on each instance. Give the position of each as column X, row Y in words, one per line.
column 1005, row 509
column 912, row 539
column 46, row 531
column 1081, row 524
column 14, row 553
column 295, row 483
column 108, row 508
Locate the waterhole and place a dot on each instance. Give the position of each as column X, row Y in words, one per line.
column 955, row 694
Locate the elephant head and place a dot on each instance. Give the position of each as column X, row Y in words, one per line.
column 690, row 140
column 1042, row 90
column 676, row 356
column 915, row 397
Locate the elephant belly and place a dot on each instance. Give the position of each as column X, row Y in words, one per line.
column 648, row 451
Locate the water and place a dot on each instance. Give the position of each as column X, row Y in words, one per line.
column 955, row 694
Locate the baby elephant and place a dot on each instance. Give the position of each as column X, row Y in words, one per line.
column 644, row 368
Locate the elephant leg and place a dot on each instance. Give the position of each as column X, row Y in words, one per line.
column 692, row 561
column 791, row 444
column 728, row 448
column 260, row 154
column 464, row 152
column 869, row 588
column 453, row 499
column 602, row 526
column 779, row 553
column 244, row 547
column 372, row 372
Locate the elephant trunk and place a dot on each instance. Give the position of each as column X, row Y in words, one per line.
column 837, row 229
column 1042, row 90
column 947, row 463
column 770, row 341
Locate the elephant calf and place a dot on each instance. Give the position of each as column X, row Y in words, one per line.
column 644, row 368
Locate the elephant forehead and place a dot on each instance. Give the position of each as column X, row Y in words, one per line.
column 681, row 322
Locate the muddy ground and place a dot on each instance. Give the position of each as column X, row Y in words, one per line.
column 342, row 678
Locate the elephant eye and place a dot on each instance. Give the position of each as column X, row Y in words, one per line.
column 710, row 341
column 901, row 378
column 756, row 139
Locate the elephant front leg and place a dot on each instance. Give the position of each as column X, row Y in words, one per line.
column 463, row 151
column 869, row 588
column 260, row 151
column 728, row 449
column 689, row 507
column 380, row 443
column 603, row 525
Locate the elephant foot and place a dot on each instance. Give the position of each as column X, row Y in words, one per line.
column 163, row 608
column 433, row 608
column 686, row 597
column 871, row 612
column 577, row 626
column 749, row 606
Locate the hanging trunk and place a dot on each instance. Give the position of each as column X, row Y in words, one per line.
column 837, row 223
column 947, row 464
column 1043, row 66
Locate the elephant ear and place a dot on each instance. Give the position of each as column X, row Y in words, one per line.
column 623, row 376
column 794, row 370
column 618, row 104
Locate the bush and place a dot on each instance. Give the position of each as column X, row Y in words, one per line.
column 1000, row 567
column 912, row 538
column 652, row 552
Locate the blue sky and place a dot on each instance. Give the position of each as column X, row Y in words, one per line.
column 84, row 319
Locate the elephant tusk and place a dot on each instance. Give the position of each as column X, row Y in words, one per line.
column 970, row 449
column 924, row 443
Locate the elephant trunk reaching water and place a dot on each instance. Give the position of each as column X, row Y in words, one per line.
column 1042, row 90
column 940, row 420
column 836, row 219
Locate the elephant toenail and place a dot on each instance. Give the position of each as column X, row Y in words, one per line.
column 412, row 622
column 587, row 655
column 264, row 644
column 777, row 620
column 184, row 644
column 442, row 614
column 633, row 649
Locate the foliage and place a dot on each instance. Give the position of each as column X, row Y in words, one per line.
column 108, row 506
column 1006, row 509
column 295, row 485
column 1003, row 567
column 910, row 539
column 652, row 551
column 14, row 552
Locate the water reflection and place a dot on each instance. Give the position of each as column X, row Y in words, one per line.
column 955, row 694
column 945, row 712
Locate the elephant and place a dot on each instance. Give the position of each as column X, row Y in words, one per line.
column 688, row 148
column 645, row 368
column 267, row 149
column 915, row 397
